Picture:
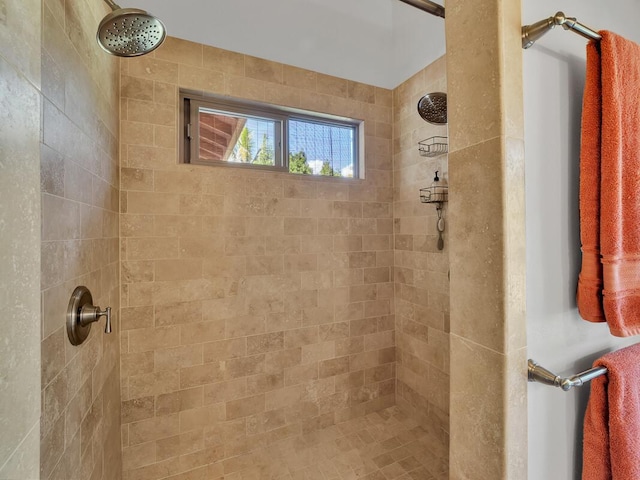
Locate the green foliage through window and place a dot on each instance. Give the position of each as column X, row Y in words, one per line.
column 265, row 153
column 298, row 163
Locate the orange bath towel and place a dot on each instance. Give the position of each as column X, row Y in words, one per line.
column 589, row 297
column 609, row 283
column 612, row 420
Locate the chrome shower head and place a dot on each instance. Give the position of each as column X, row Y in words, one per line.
column 433, row 108
column 129, row 32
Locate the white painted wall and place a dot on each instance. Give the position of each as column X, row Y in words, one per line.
column 418, row 40
column 554, row 72
column 379, row 42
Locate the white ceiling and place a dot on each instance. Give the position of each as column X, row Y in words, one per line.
column 379, row 42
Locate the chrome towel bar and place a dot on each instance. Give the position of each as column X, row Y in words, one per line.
column 542, row 375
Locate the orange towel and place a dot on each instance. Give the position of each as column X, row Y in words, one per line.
column 589, row 297
column 612, row 420
column 610, row 187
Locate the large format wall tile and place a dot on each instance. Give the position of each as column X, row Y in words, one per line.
column 80, row 434
column 19, row 259
column 489, row 372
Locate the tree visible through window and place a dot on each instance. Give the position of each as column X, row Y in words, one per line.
column 298, row 163
column 265, row 153
column 246, row 149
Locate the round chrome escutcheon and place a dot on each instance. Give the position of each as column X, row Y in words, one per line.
column 77, row 333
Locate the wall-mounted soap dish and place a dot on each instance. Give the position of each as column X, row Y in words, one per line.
column 433, row 146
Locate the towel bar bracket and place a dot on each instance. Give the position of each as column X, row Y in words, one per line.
column 540, row 374
column 532, row 33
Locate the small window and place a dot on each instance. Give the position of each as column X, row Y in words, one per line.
column 223, row 131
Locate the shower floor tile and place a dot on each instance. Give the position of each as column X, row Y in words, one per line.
column 384, row 445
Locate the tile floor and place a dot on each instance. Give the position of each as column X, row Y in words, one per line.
column 381, row 446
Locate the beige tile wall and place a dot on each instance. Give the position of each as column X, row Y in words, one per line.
column 420, row 269
column 79, row 185
column 256, row 305
column 20, row 238
column 488, row 322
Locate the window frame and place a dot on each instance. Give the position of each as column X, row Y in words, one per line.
column 191, row 102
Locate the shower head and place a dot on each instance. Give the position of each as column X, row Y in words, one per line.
column 129, row 32
column 433, row 108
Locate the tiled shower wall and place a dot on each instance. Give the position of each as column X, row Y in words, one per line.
column 255, row 305
column 20, row 238
column 420, row 269
column 488, row 317
column 79, row 183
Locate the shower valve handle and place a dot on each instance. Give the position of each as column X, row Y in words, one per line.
column 90, row 314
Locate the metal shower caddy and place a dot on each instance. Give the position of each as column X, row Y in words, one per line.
column 433, row 147
column 437, row 195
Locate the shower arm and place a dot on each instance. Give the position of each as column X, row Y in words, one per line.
column 114, row 6
column 426, row 6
